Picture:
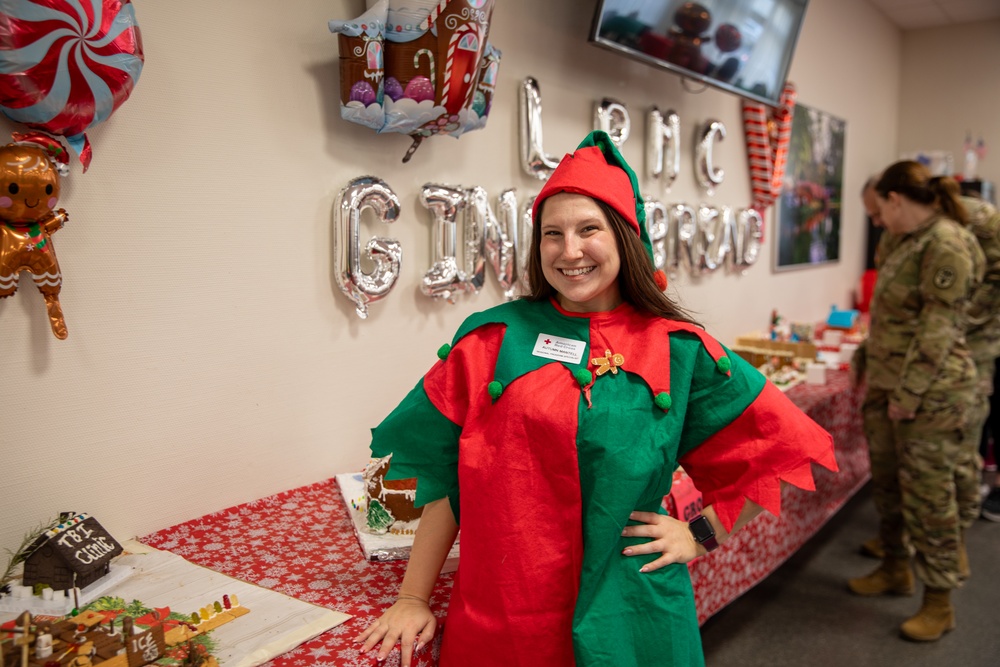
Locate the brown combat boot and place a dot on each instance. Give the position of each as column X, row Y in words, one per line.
column 893, row 577
column 872, row 548
column 935, row 617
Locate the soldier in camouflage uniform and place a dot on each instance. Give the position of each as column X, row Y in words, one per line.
column 921, row 382
column 983, row 336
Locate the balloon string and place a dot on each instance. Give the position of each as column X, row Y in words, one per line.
column 413, row 148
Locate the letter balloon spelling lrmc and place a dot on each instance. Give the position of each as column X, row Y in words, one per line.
column 385, row 253
column 612, row 116
column 534, row 160
column 704, row 168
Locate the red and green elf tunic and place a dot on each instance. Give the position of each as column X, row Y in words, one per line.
column 543, row 460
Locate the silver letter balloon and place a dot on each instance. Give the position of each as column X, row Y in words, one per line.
column 384, row 253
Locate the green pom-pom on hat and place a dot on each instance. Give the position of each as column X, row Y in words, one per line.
column 663, row 401
column 444, row 351
column 494, row 389
column 583, row 376
column 724, row 364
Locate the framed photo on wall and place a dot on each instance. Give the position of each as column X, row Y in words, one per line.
column 809, row 206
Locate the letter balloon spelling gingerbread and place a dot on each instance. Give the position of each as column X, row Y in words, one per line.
column 29, row 189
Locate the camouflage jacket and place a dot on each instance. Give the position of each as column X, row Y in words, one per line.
column 919, row 313
column 984, row 308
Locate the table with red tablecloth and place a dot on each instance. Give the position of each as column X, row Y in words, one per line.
column 302, row 543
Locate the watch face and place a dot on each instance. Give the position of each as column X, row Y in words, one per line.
column 702, row 529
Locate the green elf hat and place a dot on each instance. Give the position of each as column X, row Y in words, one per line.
column 596, row 169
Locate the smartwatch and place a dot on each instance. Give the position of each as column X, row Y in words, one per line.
column 703, row 532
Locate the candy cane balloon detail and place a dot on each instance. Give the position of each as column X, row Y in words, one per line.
column 767, row 138
column 67, row 65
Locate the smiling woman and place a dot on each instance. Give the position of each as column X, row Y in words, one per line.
column 563, row 415
column 579, row 254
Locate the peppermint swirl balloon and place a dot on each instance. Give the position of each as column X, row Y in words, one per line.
column 67, row 65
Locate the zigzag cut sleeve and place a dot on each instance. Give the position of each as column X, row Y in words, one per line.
column 743, row 437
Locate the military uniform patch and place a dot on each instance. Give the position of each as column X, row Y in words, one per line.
column 944, row 278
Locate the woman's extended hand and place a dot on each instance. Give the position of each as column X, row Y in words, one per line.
column 409, row 621
column 668, row 536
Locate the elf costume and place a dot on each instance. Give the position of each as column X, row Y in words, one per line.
column 546, row 428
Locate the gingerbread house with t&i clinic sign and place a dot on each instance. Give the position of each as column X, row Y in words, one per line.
column 75, row 553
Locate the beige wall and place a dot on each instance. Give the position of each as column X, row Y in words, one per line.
column 211, row 359
column 951, row 86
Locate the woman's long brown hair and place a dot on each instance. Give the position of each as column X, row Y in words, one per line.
column 915, row 182
column 635, row 277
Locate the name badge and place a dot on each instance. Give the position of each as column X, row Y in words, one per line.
column 559, row 349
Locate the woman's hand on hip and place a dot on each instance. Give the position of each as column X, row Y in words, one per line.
column 668, row 536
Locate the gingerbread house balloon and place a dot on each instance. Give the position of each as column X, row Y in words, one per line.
column 73, row 554
column 418, row 67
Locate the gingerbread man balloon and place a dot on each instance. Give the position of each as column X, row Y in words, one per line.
column 30, row 168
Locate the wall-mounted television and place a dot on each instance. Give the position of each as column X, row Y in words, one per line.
column 740, row 46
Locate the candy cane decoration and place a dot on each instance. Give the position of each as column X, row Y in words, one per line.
column 430, row 61
column 433, row 16
column 768, row 158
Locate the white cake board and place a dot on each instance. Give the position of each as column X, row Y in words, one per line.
column 379, row 547
column 63, row 602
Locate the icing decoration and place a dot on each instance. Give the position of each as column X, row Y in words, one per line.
column 443, row 351
column 379, row 519
column 609, row 362
column 663, row 401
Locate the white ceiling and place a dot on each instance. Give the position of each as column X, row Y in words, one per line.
column 913, row 14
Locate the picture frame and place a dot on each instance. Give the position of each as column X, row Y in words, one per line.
column 808, row 220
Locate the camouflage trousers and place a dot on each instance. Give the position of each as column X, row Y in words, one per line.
column 969, row 477
column 914, row 466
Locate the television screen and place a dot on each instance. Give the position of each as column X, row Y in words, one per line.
column 740, row 46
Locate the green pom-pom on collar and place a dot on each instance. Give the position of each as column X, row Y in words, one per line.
column 583, row 376
column 444, row 351
column 724, row 364
column 663, row 401
column 494, row 389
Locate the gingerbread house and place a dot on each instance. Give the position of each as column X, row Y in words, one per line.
column 76, row 553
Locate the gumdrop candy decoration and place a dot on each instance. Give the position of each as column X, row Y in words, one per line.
column 66, row 66
column 30, row 168
column 418, row 67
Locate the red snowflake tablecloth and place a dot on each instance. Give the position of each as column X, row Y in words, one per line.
column 301, row 542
